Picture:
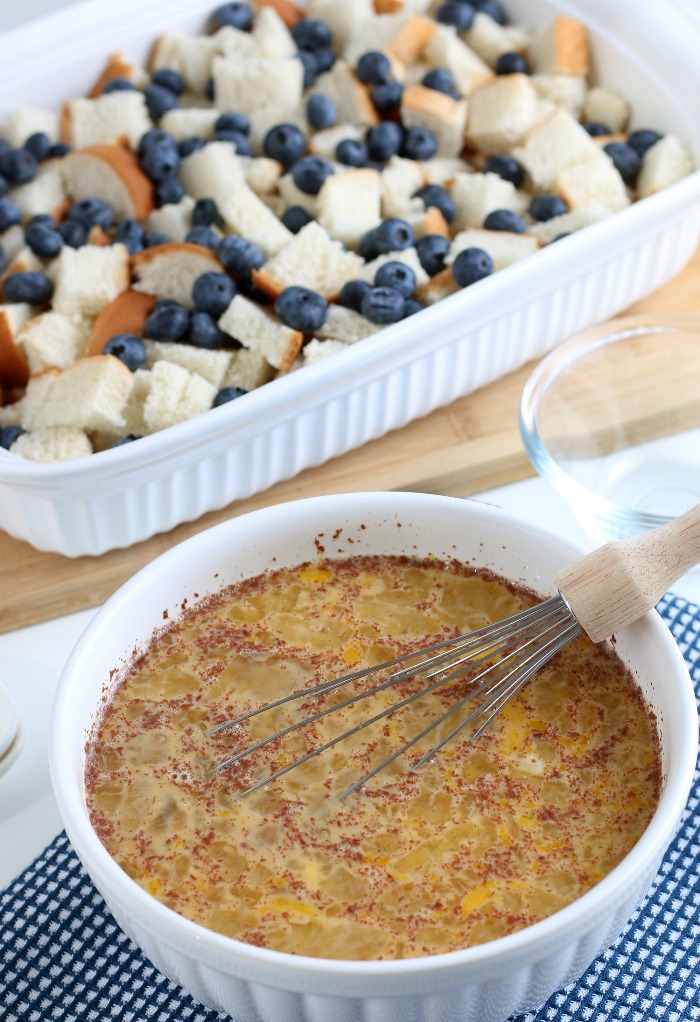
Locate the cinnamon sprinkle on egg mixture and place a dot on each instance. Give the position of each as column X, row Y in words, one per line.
column 487, row 838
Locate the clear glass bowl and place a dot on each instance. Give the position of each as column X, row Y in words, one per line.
column 611, row 419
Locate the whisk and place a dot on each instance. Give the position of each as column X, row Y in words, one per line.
column 597, row 595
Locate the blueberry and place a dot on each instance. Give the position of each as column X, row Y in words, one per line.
column 321, row 111
column 238, row 255
column 309, row 62
column 32, row 287
column 155, row 137
column 43, row 238
column 232, row 120
column 470, row 265
column 396, row 275
column 18, row 166
column 91, row 213
column 205, row 213
column 374, row 68
column 392, row 235
column 213, row 293
column 4, row 145
column 312, row 34
column 412, row 307
column 493, row 9
column 641, row 140
column 351, row 152
column 367, row 246
column 167, row 322
column 153, row 238
column 204, row 333
column 418, row 144
column 239, row 141
column 512, row 63
column 169, row 79
column 128, row 348
column 456, row 13
column 437, row 196
column 39, row 145
column 387, row 96
column 285, row 143
column 432, row 249
column 169, row 192
column 8, row 435
column 295, row 217
column 227, row 394
column 159, row 100
column 10, row 214
column 546, row 207
column 301, row 309
column 73, row 233
column 325, row 58
column 4, row 186
column 352, row 293
column 204, row 236
column 190, row 145
column 384, row 141
column 310, row 172
column 504, row 220
column 595, row 129
column 237, row 14
column 3, row 260
column 118, row 84
column 626, row 160
column 122, row 440
column 383, row 305
column 59, row 149
column 440, row 80
column 507, row 168
column 558, row 237
column 209, row 89
column 130, row 233
column 160, row 161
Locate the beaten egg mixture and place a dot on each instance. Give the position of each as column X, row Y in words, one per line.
column 488, row 837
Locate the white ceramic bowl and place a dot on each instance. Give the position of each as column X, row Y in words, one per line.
column 486, row 983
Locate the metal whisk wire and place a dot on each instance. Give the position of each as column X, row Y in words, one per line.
column 522, row 643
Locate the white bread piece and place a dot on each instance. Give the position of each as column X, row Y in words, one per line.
column 54, row 339
column 271, row 35
column 446, row 49
column 11, row 415
column 428, row 221
column 12, row 241
column 248, row 370
column 441, row 286
column 489, row 40
column 443, row 170
column 350, row 96
column 607, row 106
column 45, row 194
column 349, row 204
column 577, row 218
column 114, row 115
column 594, row 182
column 174, row 220
column 134, row 421
column 258, row 84
column 294, row 196
column 444, row 116
column 275, row 203
column 213, row 171
column 409, row 256
column 476, row 195
column 262, row 331
column 554, row 143
column 325, row 142
column 666, row 162
column 311, row 259
column 118, row 65
column 560, row 46
column 261, row 173
column 343, row 19
column 501, row 113
column 23, row 121
column 175, row 394
column 90, row 394
column 567, row 91
column 111, row 173
column 190, row 122
column 246, row 214
column 13, row 361
column 409, row 43
column 234, row 43
column 169, row 271
column 372, row 32
column 317, row 350
column 400, row 180
column 25, row 261
column 212, row 365
column 189, row 55
column 504, row 247
column 52, row 443
column 346, row 325
column 89, row 278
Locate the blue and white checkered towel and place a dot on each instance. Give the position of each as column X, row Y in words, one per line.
column 64, row 957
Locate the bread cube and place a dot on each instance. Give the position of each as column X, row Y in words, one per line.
column 213, row 171
column 246, row 214
column 349, row 204
column 248, row 369
column 444, row 116
column 262, row 331
column 211, row 365
column 169, row 271
column 556, row 142
column 111, row 173
column 311, row 259
column 88, row 278
column 666, row 162
column 346, row 325
column 350, row 96
column 504, row 247
column 175, row 395
column 54, row 339
column 189, row 55
column 476, row 195
column 87, row 122
column 91, row 395
column 560, row 47
column 446, row 49
column 501, row 113
column 52, row 443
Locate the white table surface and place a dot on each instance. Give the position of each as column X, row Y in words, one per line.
column 31, row 659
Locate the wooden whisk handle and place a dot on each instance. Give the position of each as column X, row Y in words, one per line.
column 619, row 582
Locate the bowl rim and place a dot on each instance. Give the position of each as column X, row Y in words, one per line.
column 203, row 944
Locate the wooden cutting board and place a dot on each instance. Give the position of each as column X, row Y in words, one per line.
column 470, row 446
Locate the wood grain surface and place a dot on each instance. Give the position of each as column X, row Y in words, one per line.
column 470, row 446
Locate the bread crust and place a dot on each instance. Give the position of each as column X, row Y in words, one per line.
column 126, row 314
column 288, row 11
column 173, row 248
column 14, row 370
column 410, row 41
column 125, row 164
column 117, row 66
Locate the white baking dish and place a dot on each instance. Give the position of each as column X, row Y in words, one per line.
column 119, row 497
